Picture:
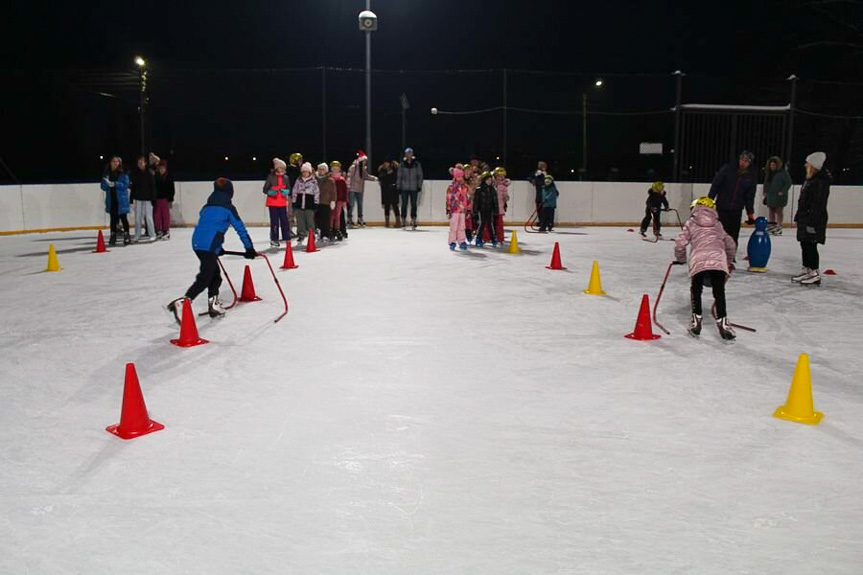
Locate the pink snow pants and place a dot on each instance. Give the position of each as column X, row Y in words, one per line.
column 456, row 229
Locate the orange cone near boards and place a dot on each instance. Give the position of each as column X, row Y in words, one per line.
column 100, row 244
column 134, row 419
column 248, row 292
column 310, row 245
column 188, row 328
column 643, row 328
column 556, row 264
column 289, row 258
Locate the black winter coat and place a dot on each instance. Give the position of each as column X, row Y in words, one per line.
column 165, row 187
column 293, row 175
column 485, row 200
column 387, row 179
column 143, row 185
column 735, row 191
column 811, row 216
column 656, row 201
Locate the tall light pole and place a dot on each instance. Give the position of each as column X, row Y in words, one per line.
column 368, row 24
column 142, row 68
column 598, row 84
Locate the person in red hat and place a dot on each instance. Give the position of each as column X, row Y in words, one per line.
column 358, row 175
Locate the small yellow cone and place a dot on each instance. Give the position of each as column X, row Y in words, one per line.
column 53, row 264
column 513, row 244
column 595, row 285
column 799, row 407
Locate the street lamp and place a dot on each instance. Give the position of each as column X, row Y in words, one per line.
column 598, row 84
column 368, row 23
column 142, row 68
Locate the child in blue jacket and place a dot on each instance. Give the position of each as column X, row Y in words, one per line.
column 216, row 216
column 549, row 203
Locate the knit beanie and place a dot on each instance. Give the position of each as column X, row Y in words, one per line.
column 277, row 163
column 306, row 167
column 816, row 159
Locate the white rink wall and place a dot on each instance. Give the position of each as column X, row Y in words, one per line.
column 63, row 206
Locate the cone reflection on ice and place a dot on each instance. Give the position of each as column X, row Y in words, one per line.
column 310, row 245
column 595, row 285
column 188, row 328
column 556, row 264
column 513, row 244
column 799, row 406
column 100, row 244
column 248, row 291
column 289, row 258
column 643, row 328
column 134, row 419
column 53, row 264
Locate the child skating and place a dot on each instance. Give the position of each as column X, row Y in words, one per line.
column 216, row 216
column 549, row 204
column 485, row 204
column 710, row 262
column 655, row 204
column 457, row 206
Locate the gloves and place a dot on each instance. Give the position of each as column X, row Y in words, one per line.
column 272, row 193
column 678, row 263
column 250, row 253
column 332, row 205
column 810, row 230
column 109, row 183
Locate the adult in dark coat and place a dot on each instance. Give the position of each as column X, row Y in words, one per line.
column 389, row 194
column 811, row 217
column 733, row 189
column 538, row 181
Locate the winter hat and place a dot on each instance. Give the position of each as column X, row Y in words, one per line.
column 361, row 155
column 306, row 167
column 409, row 150
column 223, row 191
column 458, row 173
column 816, row 159
column 323, row 166
column 747, row 155
column 277, row 163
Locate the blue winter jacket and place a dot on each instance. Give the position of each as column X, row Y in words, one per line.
column 213, row 221
column 549, row 196
column 120, row 191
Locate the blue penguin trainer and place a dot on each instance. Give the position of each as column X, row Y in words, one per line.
column 758, row 248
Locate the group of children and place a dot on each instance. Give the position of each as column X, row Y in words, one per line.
column 475, row 205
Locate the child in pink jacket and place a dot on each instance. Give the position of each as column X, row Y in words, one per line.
column 457, row 206
column 711, row 260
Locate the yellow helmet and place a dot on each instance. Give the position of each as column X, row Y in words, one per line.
column 485, row 176
column 294, row 157
column 335, row 164
column 499, row 171
column 703, row 201
column 657, row 186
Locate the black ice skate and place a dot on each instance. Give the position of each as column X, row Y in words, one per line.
column 695, row 325
column 725, row 330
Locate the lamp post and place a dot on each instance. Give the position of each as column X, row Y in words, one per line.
column 598, row 83
column 142, row 69
column 368, row 24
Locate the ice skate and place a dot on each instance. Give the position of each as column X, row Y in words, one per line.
column 463, row 246
column 695, row 325
column 214, row 307
column 802, row 275
column 166, row 235
column 112, row 240
column 495, row 243
column 176, row 308
column 812, row 279
column 725, row 330
column 643, row 233
column 274, row 243
column 361, row 223
column 127, row 239
column 452, row 246
column 413, row 224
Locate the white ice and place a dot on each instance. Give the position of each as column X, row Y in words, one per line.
column 420, row 411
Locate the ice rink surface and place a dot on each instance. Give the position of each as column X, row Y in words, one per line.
column 420, row 411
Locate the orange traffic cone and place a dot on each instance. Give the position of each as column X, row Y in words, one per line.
column 248, row 293
column 134, row 419
column 555, row 259
column 100, row 244
column 643, row 328
column 310, row 245
column 289, row 258
column 188, row 328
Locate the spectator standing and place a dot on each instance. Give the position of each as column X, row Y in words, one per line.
column 409, row 181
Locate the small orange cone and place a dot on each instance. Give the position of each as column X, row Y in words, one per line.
column 289, row 259
column 799, row 407
column 134, row 419
column 555, row 259
column 310, row 245
column 248, row 293
column 100, row 244
column 188, row 328
column 643, row 329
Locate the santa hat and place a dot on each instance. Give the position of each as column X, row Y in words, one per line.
column 306, row 167
column 816, row 159
column 277, row 163
column 361, row 155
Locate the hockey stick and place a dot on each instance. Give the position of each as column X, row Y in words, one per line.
column 230, row 283
column 737, row 325
column 275, row 279
column 531, row 223
column 679, row 223
column 659, row 296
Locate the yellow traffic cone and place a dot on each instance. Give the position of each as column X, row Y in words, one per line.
column 799, row 407
column 53, row 264
column 513, row 244
column 595, row 285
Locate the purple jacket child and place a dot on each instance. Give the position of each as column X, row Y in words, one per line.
column 712, row 248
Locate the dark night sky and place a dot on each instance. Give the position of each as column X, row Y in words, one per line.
column 737, row 41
